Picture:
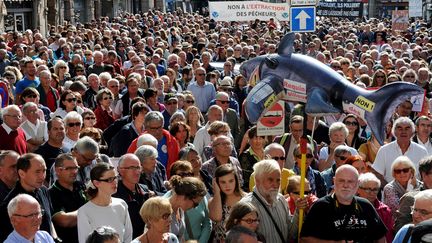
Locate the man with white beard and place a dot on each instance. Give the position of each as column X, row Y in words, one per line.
column 276, row 223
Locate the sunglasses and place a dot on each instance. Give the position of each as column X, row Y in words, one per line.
column 171, row 103
column 309, row 156
column 113, row 86
column 74, row 124
column 404, row 170
column 351, row 123
column 251, row 221
column 90, row 118
column 223, row 101
column 62, row 67
column 110, row 179
column 341, row 157
column 71, row 100
column 336, row 67
column 305, row 192
column 201, row 74
column 107, row 98
column 32, row 96
column 279, row 158
column 409, row 76
column 190, row 101
column 380, row 76
column 79, row 70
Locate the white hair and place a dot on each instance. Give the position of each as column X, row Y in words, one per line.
column 424, row 195
column 146, row 151
column 21, row 198
column 266, row 167
column 147, row 139
column 9, row 108
column 272, row 146
column 368, row 177
column 72, row 115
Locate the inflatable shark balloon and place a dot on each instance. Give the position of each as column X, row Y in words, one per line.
column 301, row 78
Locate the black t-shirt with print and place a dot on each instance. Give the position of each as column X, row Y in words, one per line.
column 329, row 220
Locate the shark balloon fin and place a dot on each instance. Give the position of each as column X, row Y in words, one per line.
column 263, row 96
column 379, row 105
column 318, row 103
column 286, row 46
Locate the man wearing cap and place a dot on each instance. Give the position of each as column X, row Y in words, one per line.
column 171, row 106
column 226, row 85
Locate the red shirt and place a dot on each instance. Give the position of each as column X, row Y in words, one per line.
column 51, row 101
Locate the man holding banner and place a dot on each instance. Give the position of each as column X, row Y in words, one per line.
column 342, row 216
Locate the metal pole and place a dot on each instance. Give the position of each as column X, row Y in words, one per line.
column 304, row 43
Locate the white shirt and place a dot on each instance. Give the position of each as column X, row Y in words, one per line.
column 116, row 215
column 35, row 128
column 389, row 152
column 427, row 145
column 202, row 139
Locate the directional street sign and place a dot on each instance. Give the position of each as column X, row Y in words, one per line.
column 303, row 19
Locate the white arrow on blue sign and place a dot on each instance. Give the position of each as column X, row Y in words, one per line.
column 303, row 19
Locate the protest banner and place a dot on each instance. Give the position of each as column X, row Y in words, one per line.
column 248, row 10
column 350, row 10
column 400, row 21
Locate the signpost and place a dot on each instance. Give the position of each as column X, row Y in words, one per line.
column 272, row 123
column 303, row 19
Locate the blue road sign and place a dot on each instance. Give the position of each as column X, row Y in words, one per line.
column 303, row 19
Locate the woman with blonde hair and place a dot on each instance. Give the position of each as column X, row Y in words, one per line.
column 156, row 213
column 61, row 69
column 195, row 120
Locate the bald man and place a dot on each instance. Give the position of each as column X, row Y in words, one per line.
column 342, row 216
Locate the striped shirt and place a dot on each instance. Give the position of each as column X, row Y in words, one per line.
column 287, row 223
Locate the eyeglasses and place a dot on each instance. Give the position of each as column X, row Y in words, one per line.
column 190, row 101
column 74, row 124
column 251, row 221
column 369, row 190
column 423, row 212
column 223, row 143
column 171, row 103
column 32, row 215
column 131, row 168
column 185, row 174
column 380, row 76
column 351, row 123
column 63, row 67
column 404, row 170
column 154, row 128
column 223, row 101
column 305, row 192
column 90, row 118
column 309, row 156
column 71, row 100
column 200, row 74
column 166, row 216
column 70, row 168
column 107, row 98
column 110, row 179
column 279, row 158
column 341, row 157
column 33, row 96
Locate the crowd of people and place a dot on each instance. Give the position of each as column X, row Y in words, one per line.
column 133, row 129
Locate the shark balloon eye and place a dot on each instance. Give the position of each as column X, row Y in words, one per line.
column 271, row 62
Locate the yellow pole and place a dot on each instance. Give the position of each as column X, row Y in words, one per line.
column 303, row 150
